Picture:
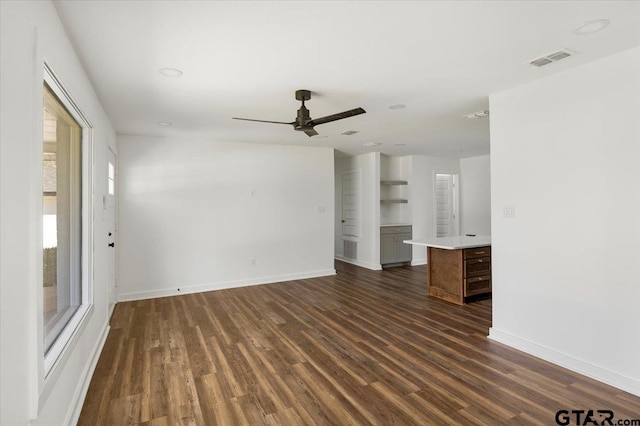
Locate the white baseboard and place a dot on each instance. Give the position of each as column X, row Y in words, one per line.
column 81, row 393
column 373, row 266
column 199, row 288
column 367, row 265
column 595, row 372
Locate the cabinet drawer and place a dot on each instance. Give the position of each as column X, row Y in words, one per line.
column 477, row 252
column 477, row 267
column 395, row 230
column 477, row 285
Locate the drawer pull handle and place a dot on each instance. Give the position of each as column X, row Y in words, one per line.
column 480, row 261
column 479, row 252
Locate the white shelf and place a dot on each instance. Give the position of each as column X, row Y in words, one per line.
column 394, row 182
column 394, row 201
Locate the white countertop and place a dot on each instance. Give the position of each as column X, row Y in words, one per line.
column 453, row 243
column 394, row 224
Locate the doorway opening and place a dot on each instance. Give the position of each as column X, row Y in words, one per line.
column 446, row 204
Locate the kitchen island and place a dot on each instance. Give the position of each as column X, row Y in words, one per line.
column 459, row 268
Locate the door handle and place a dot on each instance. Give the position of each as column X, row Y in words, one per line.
column 112, row 244
column 343, row 221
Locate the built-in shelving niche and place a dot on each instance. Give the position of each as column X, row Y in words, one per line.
column 395, row 190
column 386, row 197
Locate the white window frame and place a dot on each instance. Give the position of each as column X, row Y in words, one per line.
column 53, row 356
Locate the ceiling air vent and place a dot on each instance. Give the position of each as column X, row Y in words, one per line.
column 348, row 132
column 559, row 55
column 552, row 57
column 541, row 62
column 478, row 114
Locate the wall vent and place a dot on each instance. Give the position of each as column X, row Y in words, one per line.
column 551, row 58
column 350, row 249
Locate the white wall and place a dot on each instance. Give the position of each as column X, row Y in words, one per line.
column 565, row 152
column 193, row 213
column 423, row 170
column 30, row 32
column 369, row 240
column 475, row 195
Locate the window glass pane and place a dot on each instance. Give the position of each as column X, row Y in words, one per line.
column 112, row 187
column 61, row 216
column 112, row 172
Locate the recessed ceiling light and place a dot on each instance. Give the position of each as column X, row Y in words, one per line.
column 592, row 27
column 397, row 106
column 164, row 123
column 372, row 144
column 170, row 72
column 348, row 132
column 478, row 114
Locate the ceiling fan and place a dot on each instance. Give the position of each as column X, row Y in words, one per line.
column 303, row 121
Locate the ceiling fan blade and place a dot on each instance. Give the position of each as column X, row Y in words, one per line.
column 310, row 132
column 263, row 121
column 334, row 117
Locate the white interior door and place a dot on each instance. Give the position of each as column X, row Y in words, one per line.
column 110, row 222
column 446, row 205
column 351, row 204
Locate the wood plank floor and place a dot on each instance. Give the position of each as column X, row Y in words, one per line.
column 362, row 347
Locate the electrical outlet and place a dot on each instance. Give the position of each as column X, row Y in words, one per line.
column 252, row 261
column 320, row 209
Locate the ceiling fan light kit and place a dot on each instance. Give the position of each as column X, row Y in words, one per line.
column 304, row 122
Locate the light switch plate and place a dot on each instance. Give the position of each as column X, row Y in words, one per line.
column 509, row 211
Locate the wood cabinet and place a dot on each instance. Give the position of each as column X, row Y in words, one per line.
column 392, row 250
column 455, row 275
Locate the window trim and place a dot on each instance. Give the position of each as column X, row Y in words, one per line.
column 54, row 355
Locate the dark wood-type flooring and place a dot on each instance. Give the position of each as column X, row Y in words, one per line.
column 362, row 347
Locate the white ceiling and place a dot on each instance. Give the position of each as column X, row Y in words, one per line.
column 246, row 59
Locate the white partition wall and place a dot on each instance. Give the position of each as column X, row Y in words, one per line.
column 31, row 33
column 565, row 156
column 197, row 215
column 475, row 195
